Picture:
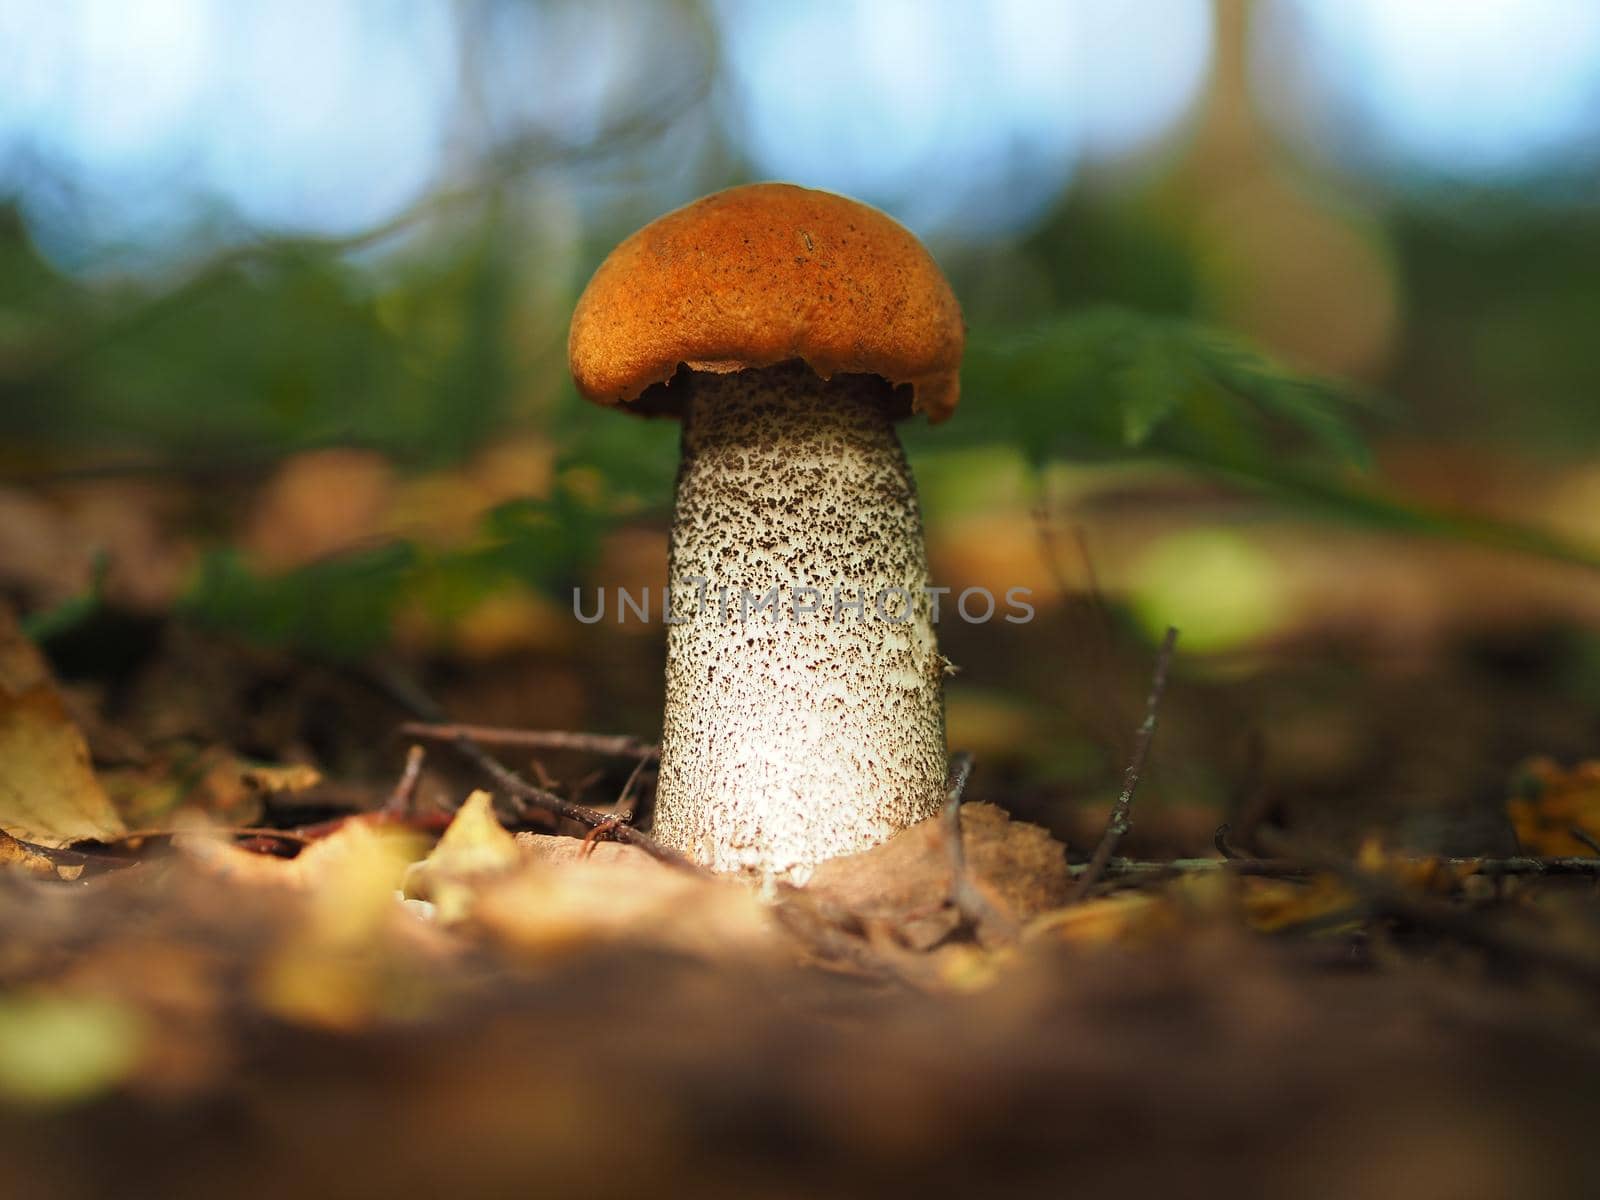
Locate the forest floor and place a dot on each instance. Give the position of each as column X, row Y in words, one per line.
column 260, row 929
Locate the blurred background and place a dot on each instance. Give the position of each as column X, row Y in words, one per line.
column 1283, row 331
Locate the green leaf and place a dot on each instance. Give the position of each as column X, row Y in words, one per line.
column 1106, row 383
column 1097, row 382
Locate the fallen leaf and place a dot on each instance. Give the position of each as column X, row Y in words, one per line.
column 276, row 780
column 1271, row 905
column 1019, row 866
column 1428, row 873
column 338, row 967
column 474, row 847
column 319, row 503
column 180, row 780
column 1554, row 802
column 15, row 856
column 48, row 792
column 58, row 1050
column 559, row 902
column 1124, row 917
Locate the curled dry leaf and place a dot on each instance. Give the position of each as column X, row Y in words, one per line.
column 362, row 857
column 48, row 791
column 14, row 856
column 890, row 911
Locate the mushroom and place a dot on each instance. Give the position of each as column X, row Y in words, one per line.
column 788, row 329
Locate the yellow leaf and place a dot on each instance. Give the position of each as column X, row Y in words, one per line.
column 1274, row 904
column 48, row 791
column 1123, row 917
column 351, row 875
column 58, row 1049
column 1430, row 873
column 1556, row 802
column 336, row 969
column 475, row 847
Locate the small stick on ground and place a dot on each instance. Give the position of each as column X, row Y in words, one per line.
column 522, row 793
column 404, row 797
column 1383, row 897
column 527, row 797
column 1141, row 871
column 1122, row 812
column 988, row 922
column 628, row 799
column 1224, row 845
column 1579, row 835
column 609, row 745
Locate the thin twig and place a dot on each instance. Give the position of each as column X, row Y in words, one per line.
column 528, row 797
column 627, row 799
column 1579, row 835
column 610, row 745
column 404, row 796
column 1130, row 870
column 955, row 780
column 1141, row 871
column 987, row 921
column 1386, row 897
column 1122, row 812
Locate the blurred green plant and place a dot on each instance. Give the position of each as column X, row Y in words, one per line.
column 1108, row 383
column 288, row 345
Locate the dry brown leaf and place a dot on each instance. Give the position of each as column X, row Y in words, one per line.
column 1018, row 866
column 181, row 780
column 48, row 791
column 14, row 856
column 559, row 902
column 279, row 780
column 1561, row 801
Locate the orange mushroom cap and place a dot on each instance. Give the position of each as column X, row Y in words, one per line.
column 762, row 274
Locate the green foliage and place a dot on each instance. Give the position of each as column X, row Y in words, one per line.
column 1106, row 383
column 345, row 606
column 635, row 458
column 258, row 355
column 285, row 345
column 1109, row 383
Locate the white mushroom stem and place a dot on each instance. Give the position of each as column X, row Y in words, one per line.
column 806, row 722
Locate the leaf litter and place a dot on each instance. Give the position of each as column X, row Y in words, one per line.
column 403, row 992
